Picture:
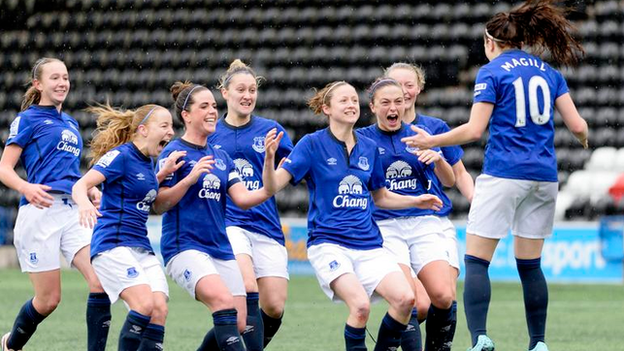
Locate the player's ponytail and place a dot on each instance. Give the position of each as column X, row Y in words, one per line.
column 116, row 127
column 237, row 66
column 323, row 97
column 32, row 95
column 183, row 96
column 538, row 24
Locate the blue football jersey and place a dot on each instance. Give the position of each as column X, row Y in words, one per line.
column 523, row 90
column 128, row 192
column 51, row 147
column 404, row 174
column 197, row 222
column 452, row 155
column 340, row 186
column 245, row 145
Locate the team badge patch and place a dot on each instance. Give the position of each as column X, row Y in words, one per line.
column 132, row 272
column 187, row 275
column 333, row 265
column 106, row 160
column 363, row 163
column 411, row 149
column 258, row 144
column 33, row 258
column 14, row 129
column 220, row 164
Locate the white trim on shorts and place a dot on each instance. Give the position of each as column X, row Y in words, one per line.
column 270, row 258
column 330, row 261
column 525, row 206
column 188, row 267
column 123, row 267
column 42, row 235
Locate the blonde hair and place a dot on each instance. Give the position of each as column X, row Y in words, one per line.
column 182, row 94
column 237, row 66
column 115, row 127
column 417, row 69
column 323, row 96
column 32, row 95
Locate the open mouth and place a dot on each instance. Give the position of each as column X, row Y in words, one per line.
column 163, row 143
column 393, row 118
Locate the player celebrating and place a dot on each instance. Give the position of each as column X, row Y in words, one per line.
column 47, row 142
column 414, row 236
column 516, row 93
column 195, row 246
column 343, row 174
column 121, row 253
column 412, row 79
column 255, row 234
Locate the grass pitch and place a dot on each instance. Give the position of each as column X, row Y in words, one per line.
column 580, row 317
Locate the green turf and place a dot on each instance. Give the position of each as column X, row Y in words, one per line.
column 581, row 317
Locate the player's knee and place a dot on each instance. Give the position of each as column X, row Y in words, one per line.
column 442, row 299
column 274, row 309
column 144, row 306
column 221, row 302
column 422, row 306
column 404, row 301
column 160, row 312
column 48, row 303
column 361, row 310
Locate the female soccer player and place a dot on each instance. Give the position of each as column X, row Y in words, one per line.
column 412, row 79
column 255, row 234
column 344, row 174
column 121, row 253
column 195, row 246
column 516, row 93
column 414, row 236
column 47, row 142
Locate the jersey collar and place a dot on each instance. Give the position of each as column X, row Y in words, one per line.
column 340, row 141
column 246, row 125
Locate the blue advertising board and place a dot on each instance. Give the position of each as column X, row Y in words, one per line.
column 572, row 254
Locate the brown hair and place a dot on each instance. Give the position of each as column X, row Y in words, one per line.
column 183, row 94
column 417, row 69
column 237, row 66
column 379, row 83
column 116, row 127
column 32, row 95
column 323, row 96
column 539, row 24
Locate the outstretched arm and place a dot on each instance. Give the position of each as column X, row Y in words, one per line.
column 466, row 133
column 386, row 199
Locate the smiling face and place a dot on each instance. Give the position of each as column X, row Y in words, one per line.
column 202, row 115
column 241, row 94
column 409, row 82
column 53, row 83
column 344, row 105
column 388, row 106
column 157, row 131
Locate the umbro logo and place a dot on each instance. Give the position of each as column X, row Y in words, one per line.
column 48, row 121
column 140, row 176
column 136, row 329
column 332, row 161
column 232, row 340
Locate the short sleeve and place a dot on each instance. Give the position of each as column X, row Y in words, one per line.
column 378, row 177
column 299, row 161
column 484, row 88
column 172, row 178
column 20, row 132
column 285, row 146
column 561, row 84
column 111, row 165
column 232, row 174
